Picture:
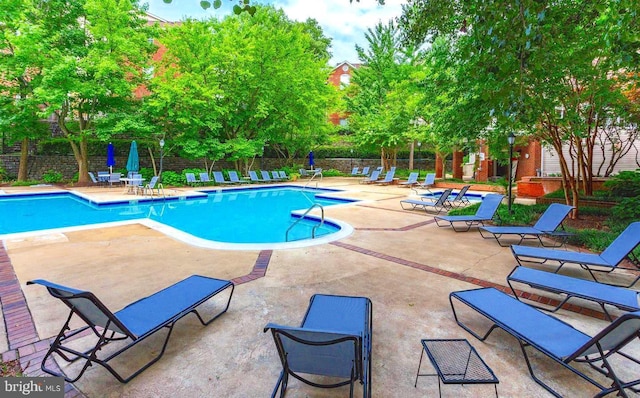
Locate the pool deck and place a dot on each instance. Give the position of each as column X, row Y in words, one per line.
column 399, row 259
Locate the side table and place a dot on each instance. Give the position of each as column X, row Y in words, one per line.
column 456, row 362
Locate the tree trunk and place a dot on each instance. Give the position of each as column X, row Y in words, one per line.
column 82, row 158
column 411, row 148
column 24, row 160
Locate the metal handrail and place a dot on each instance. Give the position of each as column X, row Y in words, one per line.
column 312, row 177
column 313, row 231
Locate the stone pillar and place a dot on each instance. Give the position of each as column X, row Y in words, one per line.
column 439, row 168
column 458, row 158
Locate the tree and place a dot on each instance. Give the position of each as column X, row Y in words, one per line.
column 529, row 59
column 379, row 113
column 95, row 60
column 237, row 84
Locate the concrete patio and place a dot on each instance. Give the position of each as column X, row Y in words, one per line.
column 400, row 259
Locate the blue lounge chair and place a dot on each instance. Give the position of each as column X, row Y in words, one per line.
column 96, row 181
column 486, row 212
column 283, row 175
column 411, row 181
column 132, row 324
column 218, row 178
column 233, row 177
column 114, row 178
column 375, row 174
column 547, row 225
column 191, row 179
column 607, row 261
column 460, row 199
column 388, row 178
column 441, row 203
column 204, row 178
column 333, row 340
column 266, row 177
column 365, row 171
column 429, row 182
column 354, row 171
column 556, row 339
column 254, row 177
column 568, row 288
column 276, row 176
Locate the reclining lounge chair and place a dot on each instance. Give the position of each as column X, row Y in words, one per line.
column 411, row 181
column 460, row 199
column 547, row 225
column 486, row 212
column 233, row 176
column 429, row 182
column 334, row 340
column 218, row 178
column 375, row 174
column 132, row 324
column 568, row 288
column 556, row 339
column 388, row 178
column 441, row 203
column 607, row 261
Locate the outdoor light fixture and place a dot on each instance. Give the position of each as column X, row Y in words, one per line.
column 511, row 139
column 351, row 150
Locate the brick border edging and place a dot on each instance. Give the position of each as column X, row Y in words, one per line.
column 470, row 279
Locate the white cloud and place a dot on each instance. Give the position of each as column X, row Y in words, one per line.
column 345, row 23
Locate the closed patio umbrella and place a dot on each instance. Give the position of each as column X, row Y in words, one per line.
column 111, row 157
column 311, row 161
column 133, row 163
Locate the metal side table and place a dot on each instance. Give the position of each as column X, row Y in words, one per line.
column 456, row 362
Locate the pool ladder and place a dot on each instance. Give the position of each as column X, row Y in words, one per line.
column 313, row 231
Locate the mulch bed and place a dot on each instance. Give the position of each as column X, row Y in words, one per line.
column 10, row 369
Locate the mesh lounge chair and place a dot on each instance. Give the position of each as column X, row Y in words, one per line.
column 276, row 176
column 547, row 225
column 607, row 261
column 569, row 288
column 354, row 171
column 283, row 175
column 411, row 181
column 204, row 178
column 132, row 324
column 460, row 199
column 442, row 203
column 365, row 171
column 388, row 178
column 254, row 177
column 334, row 340
column 375, row 174
column 557, row 340
column 429, row 182
column 233, row 176
column 191, row 179
column 218, row 178
column 266, row 176
column 486, row 212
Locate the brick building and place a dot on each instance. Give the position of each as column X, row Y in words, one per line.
column 341, row 77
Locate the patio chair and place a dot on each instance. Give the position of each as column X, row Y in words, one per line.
column 607, row 261
column 114, row 178
column 151, row 186
column 486, row 212
column 204, row 178
column 95, row 180
column 429, row 182
column 333, row 340
column 276, row 176
column 388, row 178
column 304, row 173
column 218, row 178
column 254, row 177
column 460, row 199
column 266, row 176
column 568, row 288
column 132, row 324
column 411, row 181
column 547, row 225
column 441, row 203
column 375, row 174
column 191, row 179
column 103, row 176
column 354, row 171
column 365, row 171
column 283, row 175
column 556, row 339
column 233, row 177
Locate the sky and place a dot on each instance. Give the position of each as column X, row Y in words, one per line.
column 345, row 23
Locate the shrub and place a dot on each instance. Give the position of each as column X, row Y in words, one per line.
column 625, row 212
column 332, row 173
column 3, row 174
column 173, row 178
column 52, row 177
column 625, row 184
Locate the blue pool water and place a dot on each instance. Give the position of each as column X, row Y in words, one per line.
column 234, row 216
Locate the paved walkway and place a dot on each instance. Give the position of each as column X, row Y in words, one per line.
column 396, row 242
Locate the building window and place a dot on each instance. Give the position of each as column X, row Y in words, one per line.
column 344, row 122
column 345, row 79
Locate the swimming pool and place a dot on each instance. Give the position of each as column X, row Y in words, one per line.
column 244, row 216
column 471, row 197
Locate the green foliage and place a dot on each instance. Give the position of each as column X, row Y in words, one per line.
column 60, row 146
column 25, row 183
column 52, row 177
column 625, row 184
column 625, row 212
column 593, row 239
column 171, row 178
column 332, row 173
column 3, row 174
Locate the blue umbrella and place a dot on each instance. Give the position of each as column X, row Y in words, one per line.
column 111, row 157
column 311, row 163
column 133, row 163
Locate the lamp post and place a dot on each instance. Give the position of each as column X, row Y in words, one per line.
column 161, row 156
column 351, row 150
column 419, row 155
column 511, row 139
